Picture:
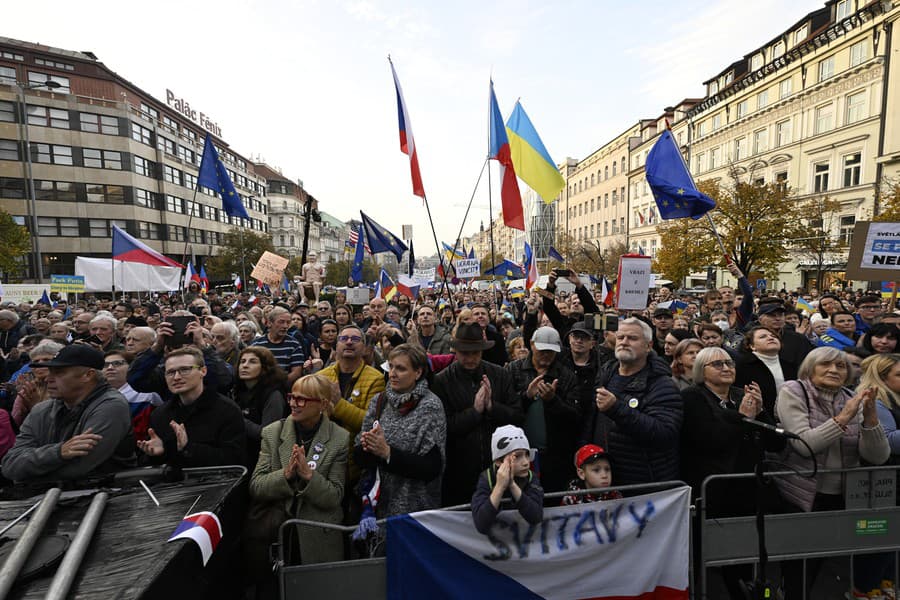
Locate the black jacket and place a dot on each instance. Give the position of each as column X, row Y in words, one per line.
column 530, row 504
column 215, row 431
column 561, row 420
column 497, row 354
column 750, row 368
column 714, row 441
column 468, row 431
column 641, row 430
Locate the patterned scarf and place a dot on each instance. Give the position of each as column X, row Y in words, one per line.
column 406, row 402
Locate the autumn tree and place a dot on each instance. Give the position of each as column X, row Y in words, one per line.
column 601, row 259
column 338, row 272
column 14, row 243
column 817, row 239
column 889, row 194
column 752, row 219
column 237, row 254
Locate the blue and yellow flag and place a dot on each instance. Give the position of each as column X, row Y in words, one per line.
column 530, row 158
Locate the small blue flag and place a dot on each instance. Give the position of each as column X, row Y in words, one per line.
column 380, row 239
column 45, row 299
column 356, row 273
column 673, row 188
column 472, row 252
column 555, row 255
column 214, row 175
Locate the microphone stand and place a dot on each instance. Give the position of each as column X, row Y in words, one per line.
column 760, row 588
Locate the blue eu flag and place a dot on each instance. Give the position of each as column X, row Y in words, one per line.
column 380, row 239
column 214, row 176
column 356, row 272
column 673, row 188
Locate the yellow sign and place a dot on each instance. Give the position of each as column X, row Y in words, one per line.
column 269, row 268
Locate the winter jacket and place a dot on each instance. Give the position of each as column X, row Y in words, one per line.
column 439, row 344
column 641, row 430
column 749, row 369
column 37, row 453
column 530, row 504
column 146, row 373
column 215, row 431
column 468, row 431
column 561, row 418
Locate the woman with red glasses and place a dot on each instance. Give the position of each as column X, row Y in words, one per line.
column 300, row 474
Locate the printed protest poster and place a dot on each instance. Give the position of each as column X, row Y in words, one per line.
column 633, row 282
column 467, row 268
column 875, row 252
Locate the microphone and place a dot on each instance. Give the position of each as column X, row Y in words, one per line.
column 772, row 428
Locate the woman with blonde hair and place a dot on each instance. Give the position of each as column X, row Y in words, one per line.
column 882, row 372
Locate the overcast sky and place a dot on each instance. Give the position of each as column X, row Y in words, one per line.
column 306, row 85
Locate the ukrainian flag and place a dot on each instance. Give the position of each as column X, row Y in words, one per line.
column 530, row 158
column 802, row 304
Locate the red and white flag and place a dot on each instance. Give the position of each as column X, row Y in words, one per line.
column 204, row 529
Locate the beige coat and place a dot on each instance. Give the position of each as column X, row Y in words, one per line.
column 320, row 498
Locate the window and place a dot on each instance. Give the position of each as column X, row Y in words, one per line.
column 762, row 99
column 606, row 172
column 783, row 133
column 92, row 123
column 756, row 61
column 212, row 237
column 801, row 34
column 826, row 68
column 592, row 205
column 35, row 78
column 614, row 197
column 176, row 233
column 713, row 88
column 146, row 199
column 717, row 121
column 781, row 181
column 7, row 112
column 9, row 150
column 52, row 226
column 760, row 141
column 194, row 209
column 51, row 154
column 175, row 205
column 170, row 124
column 729, row 77
column 109, row 194
column 701, row 165
column 856, row 107
column 859, row 52
column 102, row 228
column 141, row 134
column 742, row 109
column 165, row 144
column 740, row 148
column 7, row 75
column 615, row 229
column 103, row 159
column 614, row 169
column 606, row 228
column 148, row 112
column 186, row 154
column 209, row 213
column 12, row 188
column 190, row 181
column 824, row 118
column 63, row 191
column 622, row 225
column 52, row 63
column 197, row 236
column 852, row 164
column 715, row 158
column 847, row 225
column 785, row 88
column 703, row 129
column 844, row 7
column 44, row 116
column 777, row 49
column 623, row 165
column 148, row 231
column 820, row 173
column 605, row 200
column 144, row 167
column 172, row 175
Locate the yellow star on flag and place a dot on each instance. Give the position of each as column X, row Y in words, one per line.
column 681, row 191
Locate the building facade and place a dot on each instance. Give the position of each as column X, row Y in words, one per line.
column 288, row 202
column 98, row 151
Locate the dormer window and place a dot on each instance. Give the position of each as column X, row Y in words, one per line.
column 801, row 34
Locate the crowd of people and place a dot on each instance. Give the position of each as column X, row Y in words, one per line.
column 348, row 414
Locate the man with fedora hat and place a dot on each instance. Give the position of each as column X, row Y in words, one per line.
column 84, row 429
column 478, row 397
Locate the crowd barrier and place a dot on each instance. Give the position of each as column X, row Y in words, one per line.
column 870, row 523
column 366, row 577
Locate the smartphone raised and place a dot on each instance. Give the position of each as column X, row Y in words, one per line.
column 179, row 337
column 563, row 272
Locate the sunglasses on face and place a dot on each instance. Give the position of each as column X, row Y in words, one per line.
column 721, row 364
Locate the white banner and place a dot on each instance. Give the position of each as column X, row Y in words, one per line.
column 23, row 292
column 633, row 283
column 424, row 276
column 130, row 276
column 467, row 267
column 628, row 548
column 882, row 247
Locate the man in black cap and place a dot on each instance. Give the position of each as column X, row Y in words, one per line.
column 478, row 397
column 663, row 320
column 794, row 346
column 84, row 429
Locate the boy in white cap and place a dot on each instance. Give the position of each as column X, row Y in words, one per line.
column 509, row 477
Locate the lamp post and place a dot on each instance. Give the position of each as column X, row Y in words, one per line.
column 35, row 233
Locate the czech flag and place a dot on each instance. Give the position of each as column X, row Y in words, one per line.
column 204, row 529
column 408, row 286
column 607, row 296
column 407, row 143
column 129, row 249
column 190, row 275
column 385, row 287
column 513, row 215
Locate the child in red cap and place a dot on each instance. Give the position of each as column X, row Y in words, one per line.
column 594, row 472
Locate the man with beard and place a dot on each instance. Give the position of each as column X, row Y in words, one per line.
column 478, row 397
column 637, row 411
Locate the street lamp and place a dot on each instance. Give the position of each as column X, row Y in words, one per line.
column 35, row 233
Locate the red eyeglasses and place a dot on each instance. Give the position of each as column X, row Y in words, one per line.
column 300, row 400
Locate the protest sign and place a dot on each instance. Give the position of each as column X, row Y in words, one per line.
column 633, row 282
column 269, row 268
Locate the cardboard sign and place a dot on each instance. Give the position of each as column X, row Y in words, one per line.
column 467, row 268
column 875, row 252
column 269, row 268
column 633, row 282
column 65, row 284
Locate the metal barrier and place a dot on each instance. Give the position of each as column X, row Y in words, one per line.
column 861, row 528
column 367, row 577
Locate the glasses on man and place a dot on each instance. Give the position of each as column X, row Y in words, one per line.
column 354, row 339
column 181, row 371
column 300, row 400
column 868, row 307
column 721, row 364
column 114, row 364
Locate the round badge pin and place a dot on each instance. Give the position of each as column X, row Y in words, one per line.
column 315, row 457
column 312, row 465
column 318, row 448
column 633, row 403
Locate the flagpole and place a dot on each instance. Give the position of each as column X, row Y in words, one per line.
column 187, row 236
column 491, row 233
column 438, row 248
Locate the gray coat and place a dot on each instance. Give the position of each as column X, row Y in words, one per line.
column 320, row 498
column 37, row 454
